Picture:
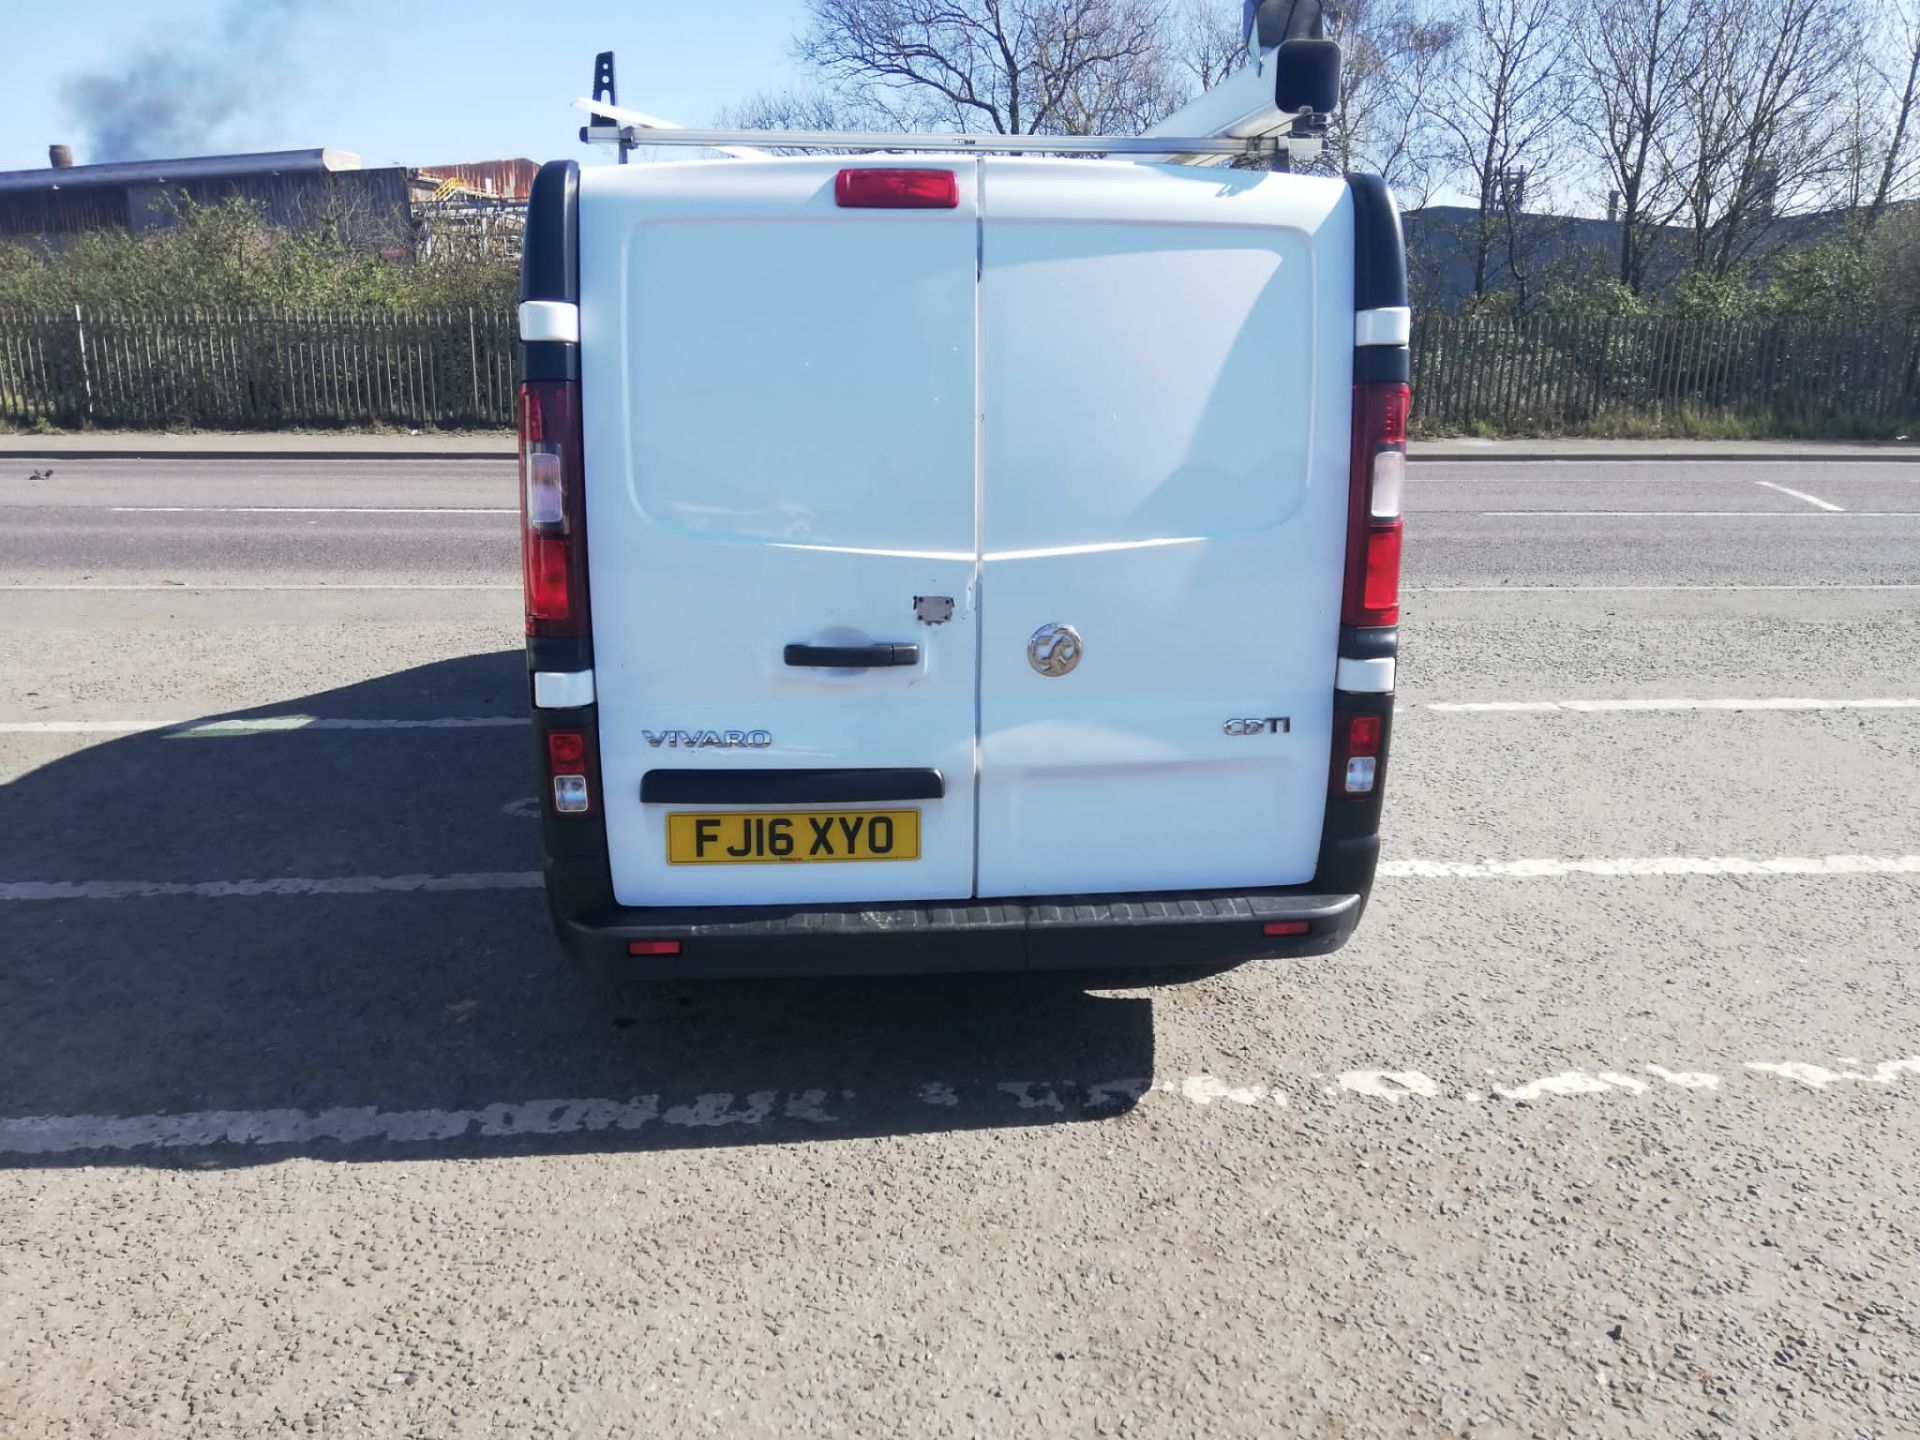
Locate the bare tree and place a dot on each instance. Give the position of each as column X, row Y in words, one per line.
column 1899, row 162
column 1209, row 40
column 1502, row 104
column 1014, row 66
column 1392, row 54
column 1634, row 56
column 1763, row 129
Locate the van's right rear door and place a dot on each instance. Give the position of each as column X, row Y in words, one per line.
column 1166, row 367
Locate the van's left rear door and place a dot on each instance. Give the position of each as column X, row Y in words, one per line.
column 779, row 429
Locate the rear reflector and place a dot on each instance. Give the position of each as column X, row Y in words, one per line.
column 896, row 190
column 1363, row 735
column 1284, row 927
column 653, row 947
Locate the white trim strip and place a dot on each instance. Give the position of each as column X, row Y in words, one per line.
column 1631, row 867
column 1595, row 707
column 1799, row 495
column 562, row 689
column 1364, row 677
column 1387, row 325
column 1651, row 866
column 550, row 320
column 250, row 725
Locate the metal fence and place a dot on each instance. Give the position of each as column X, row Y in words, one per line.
column 253, row 370
column 1546, row 376
column 232, row 370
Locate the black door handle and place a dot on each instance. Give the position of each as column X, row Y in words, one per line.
column 852, row 657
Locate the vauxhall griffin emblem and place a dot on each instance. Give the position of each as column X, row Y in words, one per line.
column 1054, row 650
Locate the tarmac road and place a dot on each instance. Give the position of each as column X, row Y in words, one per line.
column 1605, row 1124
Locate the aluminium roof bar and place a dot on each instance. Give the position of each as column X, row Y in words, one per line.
column 629, row 127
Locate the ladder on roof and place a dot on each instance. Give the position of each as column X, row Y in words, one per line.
column 1271, row 112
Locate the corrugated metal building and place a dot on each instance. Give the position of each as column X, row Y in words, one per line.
column 490, row 179
column 297, row 188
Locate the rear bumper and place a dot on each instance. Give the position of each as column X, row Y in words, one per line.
column 1196, row 931
column 1199, row 930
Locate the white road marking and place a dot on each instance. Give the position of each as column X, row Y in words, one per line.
column 1419, row 469
column 224, row 889
column 1599, row 707
column 306, row 509
column 1388, row 1085
column 814, row 1109
column 178, row 586
column 255, row 725
column 1630, row 867
column 1799, row 495
column 1818, row 1077
column 1628, row 589
column 1699, row 514
column 1657, row 865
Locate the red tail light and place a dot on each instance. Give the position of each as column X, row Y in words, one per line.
column 896, row 189
column 553, row 521
column 1373, row 508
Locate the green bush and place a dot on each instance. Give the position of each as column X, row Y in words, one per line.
column 230, row 256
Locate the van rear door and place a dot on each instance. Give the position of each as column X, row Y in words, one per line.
column 778, row 426
column 1166, row 363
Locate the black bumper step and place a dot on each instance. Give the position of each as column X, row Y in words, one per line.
column 1197, row 929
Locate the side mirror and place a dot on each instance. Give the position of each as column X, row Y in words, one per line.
column 1307, row 77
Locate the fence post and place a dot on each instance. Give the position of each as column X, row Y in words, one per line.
column 86, row 378
column 473, row 357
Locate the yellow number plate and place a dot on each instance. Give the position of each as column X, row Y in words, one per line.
column 786, row 837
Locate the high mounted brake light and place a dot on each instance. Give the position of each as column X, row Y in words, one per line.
column 1372, row 595
column 553, row 520
column 896, row 189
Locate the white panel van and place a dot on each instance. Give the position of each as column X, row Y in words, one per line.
column 959, row 562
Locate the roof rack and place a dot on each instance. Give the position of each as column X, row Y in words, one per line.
column 1270, row 113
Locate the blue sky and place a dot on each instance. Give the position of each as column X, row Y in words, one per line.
column 424, row 82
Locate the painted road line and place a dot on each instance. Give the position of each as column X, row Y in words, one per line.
column 1539, row 869
column 1635, row 589
column 942, row 1102
column 301, row 509
column 1600, row 707
column 1648, row 866
column 1695, row 514
column 256, row 725
column 1799, row 495
column 293, row 885
column 1418, row 471
column 195, row 586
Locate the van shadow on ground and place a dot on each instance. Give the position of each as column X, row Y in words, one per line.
column 387, row 1017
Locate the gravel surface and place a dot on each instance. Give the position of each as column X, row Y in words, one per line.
column 1599, row 1155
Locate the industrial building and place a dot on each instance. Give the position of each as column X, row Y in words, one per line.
column 382, row 207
